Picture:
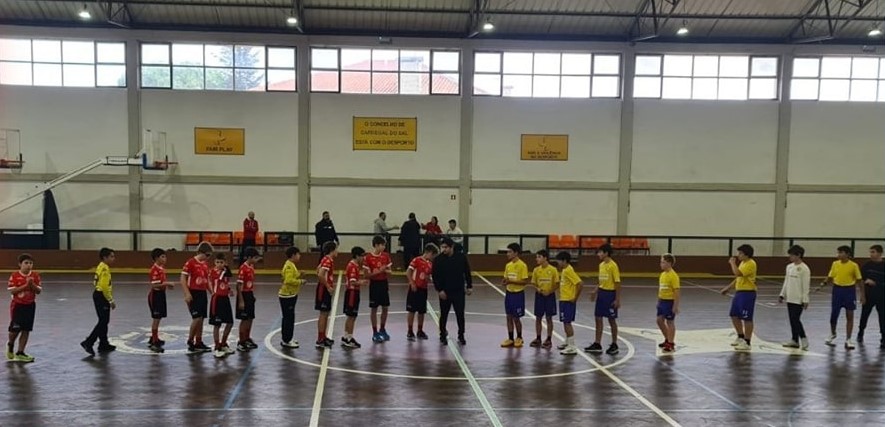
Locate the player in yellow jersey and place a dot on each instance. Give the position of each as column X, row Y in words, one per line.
column 608, row 300
column 845, row 277
column 545, row 278
column 668, row 302
column 569, row 290
column 744, row 303
column 516, row 276
column 288, row 295
column 103, row 299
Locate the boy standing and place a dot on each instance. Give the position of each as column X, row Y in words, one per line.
column 569, row 291
column 516, row 275
column 103, row 299
column 873, row 272
column 608, row 300
column 289, row 296
column 797, row 282
column 195, row 284
column 845, row 276
column 157, row 298
column 744, row 303
column 418, row 274
column 219, row 307
column 24, row 285
column 246, row 299
column 379, row 265
column 352, row 295
column 325, row 289
column 545, row 278
column 668, row 302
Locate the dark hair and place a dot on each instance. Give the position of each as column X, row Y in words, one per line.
column 543, row 253
column 328, row 247
column 746, row 250
column 430, row 247
column 669, row 258
column 411, row 215
column 325, row 212
column 379, row 240
column 796, row 250
column 606, row 249
column 845, row 249
column 357, row 251
column 564, row 256
column 452, row 221
column 291, row 251
column 205, row 248
column 381, row 213
column 251, row 252
column 877, row 248
column 104, row 253
column 515, row 248
column 156, row 253
column 447, row 241
column 25, row 257
column 220, row 256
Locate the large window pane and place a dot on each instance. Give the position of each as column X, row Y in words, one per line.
column 648, row 65
column 606, row 86
column 677, row 65
column 47, row 51
column 517, row 63
column 863, row 90
column 487, row 84
column 414, row 83
column 219, row 78
column 219, row 55
column 705, row 88
column 834, row 90
column 881, row 91
column 575, row 87
column 831, row 66
column 676, row 88
column 385, row 83
column 733, row 89
column 187, row 77
column 414, row 60
column 15, row 49
column 806, row 67
column 324, row 58
column 356, row 82
column 514, row 85
column 864, row 68
column 547, row 63
column 734, row 66
column 763, row 88
column 281, row 57
column 576, row 63
column 356, row 59
column 249, row 57
column 47, row 75
column 110, row 53
column 706, row 66
column 647, row 87
column 488, row 62
column 110, row 75
column 545, row 87
column 606, row 64
column 155, row 54
column 76, row 75
column 156, row 77
column 78, row 52
column 764, row 67
column 882, row 68
column 804, row 89
column 15, row 73
column 446, row 83
column 249, row 79
column 446, row 61
column 281, row 80
column 187, row 54
column 385, row 60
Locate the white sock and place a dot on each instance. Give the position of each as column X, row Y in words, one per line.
column 570, row 341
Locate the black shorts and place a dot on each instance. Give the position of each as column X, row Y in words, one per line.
column 379, row 293
column 198, row 305
column 351, row 302
column 323, row 301
column 157, row 304
column 21, row 317
column 220, row 312
column 248, row 311
column 416, row 301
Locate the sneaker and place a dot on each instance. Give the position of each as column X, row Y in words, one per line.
column 241, row 346
column 803, row 343
column 227, row 350
column 410, row 336
column 831, row 341
column 160, row 342
column 737, row 341
column 790, row 344
column 290, row 344
column 219, row 353
column 24, row 358
column 613, row 350
column 202, row 348
column 569, row 351
column 421, row 335
column 507, row 343
column 742, row 346
column 548, row 343
column 535, row 343
column 461, row 340
column 668, row 348
column 384, row 335
column 10, row 354
column 562, row 346
column 355, row 344
column 191, row 349
column 86, row 346
column 518, row 343
column 156, row 348
column 349, row 343
column 251, row 344
column 860, row 337
column 321, row 344
column 849, row 344
column 663, row 344
column 443, row 339
column 329, row 343
column 377, row 337
column 595, row 348
column 107, row 348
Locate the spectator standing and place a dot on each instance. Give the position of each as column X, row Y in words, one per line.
column 410, row 239
column 250, row 233
column 324, row 231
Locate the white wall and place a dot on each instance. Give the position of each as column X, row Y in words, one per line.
column 270, row 120
column 331, row 129
column 703, row 142
column 63, row 129
column 593, row 128
column 837, row 143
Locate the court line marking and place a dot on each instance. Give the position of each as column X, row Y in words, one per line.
column 324, row 368
column 663, row 415
column 477, row 390
column 443, row 409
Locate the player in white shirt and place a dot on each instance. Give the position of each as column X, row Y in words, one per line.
column 797, row 283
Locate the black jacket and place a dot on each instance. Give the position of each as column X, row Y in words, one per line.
column 451, row 273
column 875, row 271
column 410, row 234
column 325, row 232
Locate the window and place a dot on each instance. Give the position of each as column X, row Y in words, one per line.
column 71, row 63
column 547, row 74
column 838, row 78
column 189, row 66
column 385, row 71
column 731, row 77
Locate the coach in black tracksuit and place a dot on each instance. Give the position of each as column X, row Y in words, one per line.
column 873, row 273
column 451, row 278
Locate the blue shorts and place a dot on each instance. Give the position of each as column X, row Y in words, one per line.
column 604, row 301
column 514, row 304
column 665, row 309
column 567, row 310
column 844, row 297
column 743, row 305
column 545, row 305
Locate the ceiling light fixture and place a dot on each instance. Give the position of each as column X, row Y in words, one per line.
column 875, row 32
column 683, row 30
column 488, row 26
column 292, row 20
column 84, row 13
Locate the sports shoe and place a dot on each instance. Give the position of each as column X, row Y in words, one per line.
column 384, row 335
column 518, row 343
column 569, row 351
column 535, row 343
column 595, row 348
column 355, row 343
column 507, row 343
column 156, row 348
column 290, row 344
column 548, row 343
column 86, row 346
column 241, row 346
column 849, row 344
column 562, row 346
column 410, row 336
column 251, row 344
column 10, row 354
column 831, row 341
column 803, row 343
column 860, row 337
column 613, row 350
column 21, row 357
column 421, row 335
column 107, row 348
column 461, row 340
column 790, row 344
column 202, row 348
column 443, row 339
column 321, row 344
column 329, row 343
column 742, row 346
column 664, row 344
column 227, row 350
column 161, row 342
column 668, row 348
column 349, row 343
column 377, row 337
column 737, row 341
column 219, row 353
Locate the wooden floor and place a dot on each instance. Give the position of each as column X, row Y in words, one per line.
column 705, row 383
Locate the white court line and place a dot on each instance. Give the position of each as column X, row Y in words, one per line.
column 602, row 369
column 324, row 368
column 486, row 406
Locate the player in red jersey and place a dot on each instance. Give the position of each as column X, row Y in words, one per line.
column 24, row 285
column 354, row 275
column 219, row 307
column 246, row 299
column 378, row 263
column 157, row 298
column 194, row 284
column 325, row 288
column 418, row 274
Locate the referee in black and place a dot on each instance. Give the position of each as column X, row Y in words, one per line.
column 452, row 280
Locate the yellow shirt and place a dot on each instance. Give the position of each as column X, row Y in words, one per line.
column 667, row 285
column 545, row 279
column 291, row 280
column 516, row 271
column 844, row 273
column 103, row 281
column 747, row 282
column 569, row 282
column 609, row 274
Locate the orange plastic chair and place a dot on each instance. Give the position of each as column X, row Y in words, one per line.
column 569, row 241
column 238, row 237
column 273, row 239
column 554, row 241
column 587, row 243
column 192, row 239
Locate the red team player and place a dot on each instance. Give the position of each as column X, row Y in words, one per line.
column 246, row 299
column 157, row 298
column 378, row 263
column 24, row 285
column 325, row 288
column 418, row 274
column 354, row 275
column 219, row 307
column 195, row 284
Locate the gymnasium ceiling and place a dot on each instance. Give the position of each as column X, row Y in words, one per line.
column 740, row 21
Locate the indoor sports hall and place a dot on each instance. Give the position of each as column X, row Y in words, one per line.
column 710, row 165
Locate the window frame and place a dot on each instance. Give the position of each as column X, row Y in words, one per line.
column 879, row 79
column 719, row 77
column 95, row 64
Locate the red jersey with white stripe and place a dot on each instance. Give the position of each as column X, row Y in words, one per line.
column 376, row 262
column 27, row 296
column 353, row 275
column 220, row 283
column 247, row 277
column 329, row 264
column 422, row 269
column 157, row 276
column 197, row 273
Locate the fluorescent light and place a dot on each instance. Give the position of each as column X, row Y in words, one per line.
column 291, row 20
column 84, row 13
column 682, row 31
column 488, row 26
column 875, row 32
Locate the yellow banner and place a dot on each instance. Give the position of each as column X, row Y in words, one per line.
column 220, row 141
column 544, row 147
column 385, row 133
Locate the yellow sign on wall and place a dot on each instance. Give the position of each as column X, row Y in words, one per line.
column 544, row 147
column 385, row 133
column 220, row 141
